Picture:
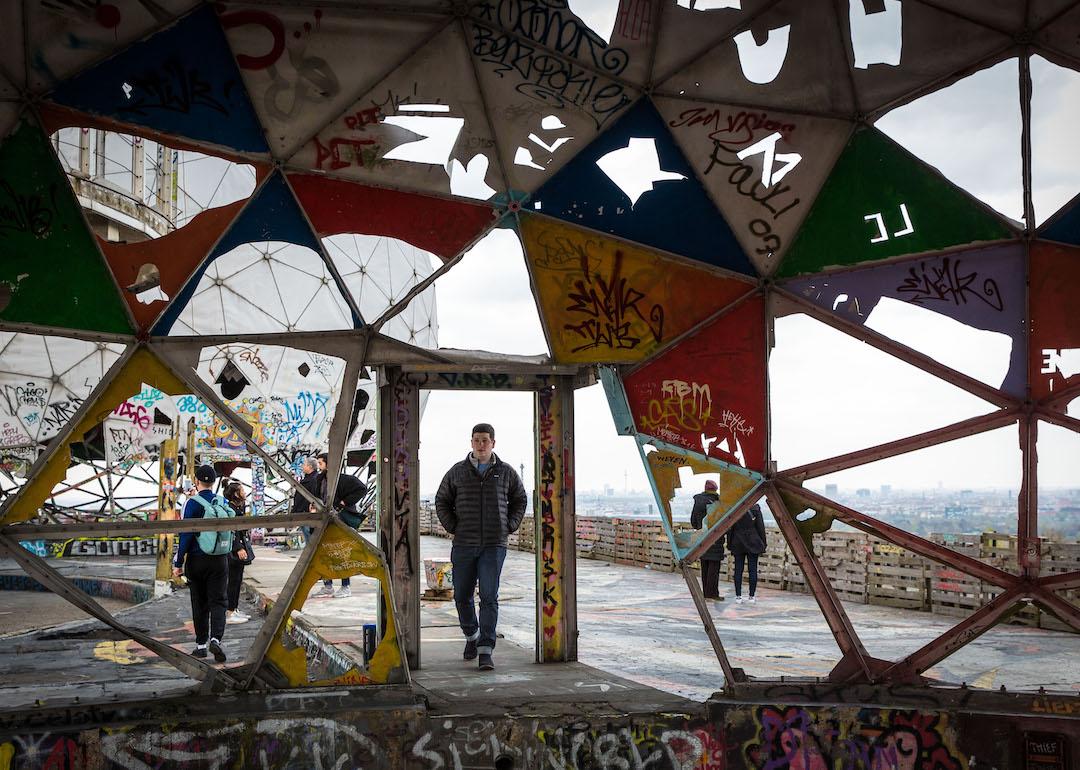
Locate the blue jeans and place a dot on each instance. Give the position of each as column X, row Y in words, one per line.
column 483, row 564
column 750, row 560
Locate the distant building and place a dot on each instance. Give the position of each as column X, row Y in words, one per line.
column 862, row 493
column 886, row 489
column 831, row 490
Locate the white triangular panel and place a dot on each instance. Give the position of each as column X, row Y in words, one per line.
column 764, row 210
column 263, row 288
column 379, row 272
column 549, row 106
column 422, row 128
column 67, row 37
column 304, row 66
column 689, row 28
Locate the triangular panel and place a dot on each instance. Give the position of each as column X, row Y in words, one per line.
column 431, row 99
column 707, row 393
column 68, row 37
column 881, row 202
column 303, row 66
column 272, row 215
column 908, row 46
column 989, row 168
column 169, row 83
column 786, row 59
column 545, row 106
column 1065, row 225
column 604, row 188
column 51, row 272
column 443, row 227
column 981, row 289
column 603, row 300
column 142, row 367
column 689, row 29
column 1007, row 15
column 1055, row 172
column 170, row 260
column 1055, row 324
column 763, row 170
column 1060, row 35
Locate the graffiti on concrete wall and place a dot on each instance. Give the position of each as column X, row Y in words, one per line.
column 548, row 419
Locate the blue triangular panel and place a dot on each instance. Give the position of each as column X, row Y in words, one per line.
column 676, row 215
column 1064, row 226
column 182, row 81
column 273, row 215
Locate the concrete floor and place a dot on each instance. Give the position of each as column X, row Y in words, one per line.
column 641, row 641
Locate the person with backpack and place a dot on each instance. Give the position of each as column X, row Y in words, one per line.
column 747, row 541
column 241, row 555
column 712, row 558
column 202, row 559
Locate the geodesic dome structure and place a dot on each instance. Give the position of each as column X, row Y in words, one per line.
column 712, row 166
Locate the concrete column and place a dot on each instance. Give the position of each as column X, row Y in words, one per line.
column 84, row 152
column 399, row 499
column 99, row 154
column 556, row 554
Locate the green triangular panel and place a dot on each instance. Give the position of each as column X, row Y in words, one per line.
column 879, row 202
column 51, row 272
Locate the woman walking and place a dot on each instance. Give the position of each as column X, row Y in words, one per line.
column 242, row 554
column 746, row 541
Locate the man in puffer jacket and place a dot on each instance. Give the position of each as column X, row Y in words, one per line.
column 480, row 501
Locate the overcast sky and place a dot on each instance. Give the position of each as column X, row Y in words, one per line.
column 831, row 394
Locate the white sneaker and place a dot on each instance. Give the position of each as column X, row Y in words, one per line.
column 738, row 600
column 234, row 618
column 343, row 593
column 324, row 591
column 752, row 600
column 240, row 614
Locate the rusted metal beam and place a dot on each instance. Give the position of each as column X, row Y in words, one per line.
column 339, row 425
column 958, row 430
column 1058, row 418
column 721, row 528
column 399, row 504
column 905, row 539
column 902, row 352
column 556, row 537
column 130, row 528
column 969, row 629
column 40, row 570
column 1065, row 610
column 256, row 656
column 732, row 677
column 1028, row 555
column 1063, row 582
column 846, row 639
column 1061, row 399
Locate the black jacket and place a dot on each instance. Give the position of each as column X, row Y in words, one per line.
column 702, row 501
column 241, row 537
column 310, row 482
column 350, row 491
column 748, row 533
column 481, row 511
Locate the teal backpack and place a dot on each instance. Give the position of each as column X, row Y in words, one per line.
column 215, row 543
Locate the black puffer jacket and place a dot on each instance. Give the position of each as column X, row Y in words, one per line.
column 481, row 511
column 702, row 501
column 747, row 535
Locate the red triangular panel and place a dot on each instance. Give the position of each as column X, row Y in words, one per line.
column 708, row 392
column 442, row 227
column 1055, row 325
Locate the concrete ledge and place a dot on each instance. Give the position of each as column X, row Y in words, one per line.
column 106, row 588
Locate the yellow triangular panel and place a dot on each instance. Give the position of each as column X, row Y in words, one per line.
column 607, row 301
column 342, row 553
column 142, row 367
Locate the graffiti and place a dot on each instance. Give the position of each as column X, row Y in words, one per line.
column 469, row 381
column 546, row 76
column 258, row 486
column 404, row 394
column 57, row 415
column 795, row 738
column 769, row 156
column 136, row 415
column 882, row 233
column 1066, row 361
column 326, row 366
column 947, row 282
column 249, row 356
column 175, row 87
column 634, row 20
column 560, row 252
column 19, row 397
column 149, row 396
column 313, row 82
column 32, row 213
column 629, row 747
column 190, row 405
column 103, row 546
column 550, row 536
column 732, row 132
column 343, row 153
column 609, row 305
column 687, row 404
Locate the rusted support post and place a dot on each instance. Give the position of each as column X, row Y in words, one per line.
column 856, row 659
column 731, row 677
column 138, row 186
column 1028, row 550
column 84, row 152
column 399, row 497
column 556, row 535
